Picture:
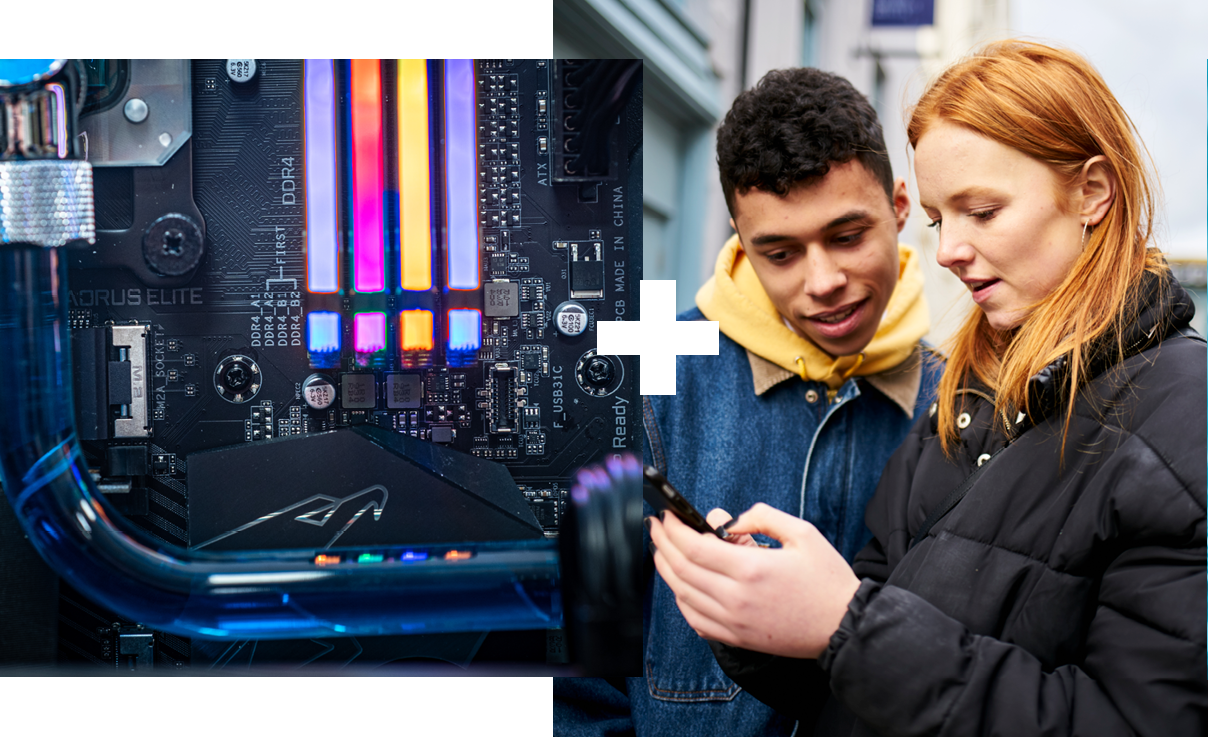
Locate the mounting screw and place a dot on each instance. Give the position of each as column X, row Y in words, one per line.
column 172, row 245
column 599, row 370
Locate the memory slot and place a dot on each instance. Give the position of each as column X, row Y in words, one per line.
column 461, row 175
column 322, row 192
column 368, row 336
column 368, row 181
column 465, row 336
column 323, row 339
column 415, row 198
column 416, row 330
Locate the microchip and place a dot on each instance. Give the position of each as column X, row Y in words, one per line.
column 530, row 361
column 586, row 271
column 357, row 391
column 161, row 463
column 442, row 434
column 545, row 512
column 502, row 299
column 403, row 391
column 499, row 263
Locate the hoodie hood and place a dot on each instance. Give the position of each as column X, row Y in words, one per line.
column 735, row 298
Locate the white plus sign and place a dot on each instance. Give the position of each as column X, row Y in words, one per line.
column 657, row 337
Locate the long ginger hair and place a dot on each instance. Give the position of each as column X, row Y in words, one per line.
column 1052, row 105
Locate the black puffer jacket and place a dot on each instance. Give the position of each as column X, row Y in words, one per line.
column 1055, row 598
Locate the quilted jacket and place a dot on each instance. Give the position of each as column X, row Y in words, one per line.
column 1063, row 595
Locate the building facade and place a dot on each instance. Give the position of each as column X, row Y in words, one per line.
column 700, row 54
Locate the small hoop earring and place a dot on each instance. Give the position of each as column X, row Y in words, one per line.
column 1084, row 224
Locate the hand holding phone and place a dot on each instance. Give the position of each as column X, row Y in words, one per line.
column 660, row 494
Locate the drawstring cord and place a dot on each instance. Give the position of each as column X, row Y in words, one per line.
column 847, row 374
column 842, row 377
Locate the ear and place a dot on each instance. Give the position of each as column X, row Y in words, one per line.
column 734, row 228
column 1097, row 188
column 901, row 203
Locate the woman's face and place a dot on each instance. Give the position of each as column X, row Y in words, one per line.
column 1001, row 228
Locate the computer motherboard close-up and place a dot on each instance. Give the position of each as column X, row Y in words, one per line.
column 348, row 307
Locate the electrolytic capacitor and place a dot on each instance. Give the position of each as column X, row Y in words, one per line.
column 570, row 318
column 318, row 391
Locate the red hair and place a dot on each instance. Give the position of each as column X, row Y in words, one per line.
column 1052, row 105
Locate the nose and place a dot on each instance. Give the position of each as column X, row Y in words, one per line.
column 954, row 250
column 823, row 276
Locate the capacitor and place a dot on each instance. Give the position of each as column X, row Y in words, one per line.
column 570, row 318
column 318, row 391
column 240, row 70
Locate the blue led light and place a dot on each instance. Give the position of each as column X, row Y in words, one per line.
column 413, row 556
column 465, row 330
column 323, row 338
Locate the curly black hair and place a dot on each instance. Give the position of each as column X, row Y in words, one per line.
column 791, row 127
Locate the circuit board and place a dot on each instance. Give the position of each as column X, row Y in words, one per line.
column 251, row 340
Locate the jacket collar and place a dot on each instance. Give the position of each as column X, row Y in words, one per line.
column 900, row 383
column 1163, row 308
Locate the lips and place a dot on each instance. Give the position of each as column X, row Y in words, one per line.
column 838, row 323
column 980, row 288
column 833, row 317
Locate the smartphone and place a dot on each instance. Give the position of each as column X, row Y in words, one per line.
column 661, row 495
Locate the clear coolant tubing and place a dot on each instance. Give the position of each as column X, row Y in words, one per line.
column 268, row 594
column 45, row 204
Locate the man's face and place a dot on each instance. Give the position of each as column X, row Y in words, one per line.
column 826, row 253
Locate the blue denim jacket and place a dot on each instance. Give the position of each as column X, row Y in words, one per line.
column 722, row 445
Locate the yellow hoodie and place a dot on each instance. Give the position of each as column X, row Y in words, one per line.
column 735, row 298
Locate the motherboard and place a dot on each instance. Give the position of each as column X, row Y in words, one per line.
column 350, row 303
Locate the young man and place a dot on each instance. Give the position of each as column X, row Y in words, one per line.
column 819, row 377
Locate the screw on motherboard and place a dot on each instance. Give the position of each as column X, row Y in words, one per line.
column 173, row 245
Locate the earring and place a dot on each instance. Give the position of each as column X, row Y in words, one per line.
column 1084, row 224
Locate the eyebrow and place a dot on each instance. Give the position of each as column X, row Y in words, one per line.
column 855, row 216
column 965, row 194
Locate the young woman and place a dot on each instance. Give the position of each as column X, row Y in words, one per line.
column 1038, row 560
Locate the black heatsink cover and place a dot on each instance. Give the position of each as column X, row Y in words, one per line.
column 305, row 491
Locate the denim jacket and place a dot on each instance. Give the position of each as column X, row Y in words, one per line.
column 740, row 430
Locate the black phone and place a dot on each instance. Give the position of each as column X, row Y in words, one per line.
column 660, row 494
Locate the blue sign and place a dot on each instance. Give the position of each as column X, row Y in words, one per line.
column 903, row 12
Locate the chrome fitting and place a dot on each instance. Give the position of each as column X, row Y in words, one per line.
column 46, row 203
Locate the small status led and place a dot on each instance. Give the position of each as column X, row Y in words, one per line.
column 413, row 556
column 416, row 329
column 319, row 130
column 370, row 558
column 326, row 560
column 368, row 240
column 323, row 339
column 369, row 332
column 459, row 555
column 465, row 330
column 415, row 199
column 461, row 174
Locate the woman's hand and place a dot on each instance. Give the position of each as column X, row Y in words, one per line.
column 784, row 601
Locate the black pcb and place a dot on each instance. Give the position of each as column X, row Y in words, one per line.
column 190, row 314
